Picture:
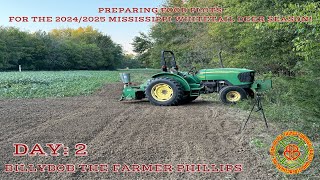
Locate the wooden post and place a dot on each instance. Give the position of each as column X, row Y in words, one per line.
column 20, row 68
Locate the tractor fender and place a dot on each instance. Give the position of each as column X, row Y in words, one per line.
column 180, row 79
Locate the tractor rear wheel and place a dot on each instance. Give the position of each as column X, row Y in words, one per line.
column 164, row 92
column 232, row 94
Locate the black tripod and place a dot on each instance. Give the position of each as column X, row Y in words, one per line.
column 259, row 108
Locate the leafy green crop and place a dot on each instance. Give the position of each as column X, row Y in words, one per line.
column 61, row 83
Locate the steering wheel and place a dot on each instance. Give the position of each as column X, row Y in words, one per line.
column 193, row 70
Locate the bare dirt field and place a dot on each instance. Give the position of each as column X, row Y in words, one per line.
column 202, row 132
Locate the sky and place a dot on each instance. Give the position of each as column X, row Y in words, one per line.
column 121, row 33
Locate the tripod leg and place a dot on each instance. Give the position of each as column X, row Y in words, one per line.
column 245, row 124
column 264, row 116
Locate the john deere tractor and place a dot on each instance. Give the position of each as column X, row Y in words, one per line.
column 173, row 87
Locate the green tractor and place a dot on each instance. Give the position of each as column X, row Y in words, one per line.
column 173, row 87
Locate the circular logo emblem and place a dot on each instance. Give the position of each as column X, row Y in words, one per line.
column 292, row 152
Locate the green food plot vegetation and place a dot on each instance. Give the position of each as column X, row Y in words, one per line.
column 45, row 84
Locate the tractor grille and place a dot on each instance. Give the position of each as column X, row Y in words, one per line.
column 246, row 77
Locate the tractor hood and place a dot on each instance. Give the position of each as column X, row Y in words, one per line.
column 235, row 76
column 224, row 70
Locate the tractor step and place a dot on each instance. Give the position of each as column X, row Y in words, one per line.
column 195, row 92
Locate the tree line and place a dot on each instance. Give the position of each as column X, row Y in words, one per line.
column 59, row 49
column 280, row 48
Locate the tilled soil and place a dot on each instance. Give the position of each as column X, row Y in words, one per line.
column 202, row 132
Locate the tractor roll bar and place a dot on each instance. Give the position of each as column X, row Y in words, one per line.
column 164, row 62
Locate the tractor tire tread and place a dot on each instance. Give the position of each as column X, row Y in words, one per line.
column 222, row 93
column 175, row 102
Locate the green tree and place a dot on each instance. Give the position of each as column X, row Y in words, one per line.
column 142, row 45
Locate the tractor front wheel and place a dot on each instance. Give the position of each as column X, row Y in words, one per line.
column 164, row 92
column 232, row 94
